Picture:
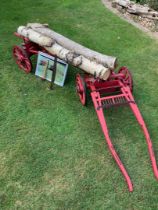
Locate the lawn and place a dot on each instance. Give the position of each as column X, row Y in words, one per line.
column 53, row 155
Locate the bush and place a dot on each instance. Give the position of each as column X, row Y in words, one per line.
column 154, row 4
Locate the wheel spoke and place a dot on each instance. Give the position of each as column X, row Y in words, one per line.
column 22, row 59
column 80, row 87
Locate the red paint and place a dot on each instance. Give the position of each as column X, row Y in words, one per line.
column 116, row 91
column 22, row 59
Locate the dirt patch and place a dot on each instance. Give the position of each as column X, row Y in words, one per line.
column 143, row 24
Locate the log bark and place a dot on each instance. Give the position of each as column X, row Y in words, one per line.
column 79, row 60
column 107, row 61
column 35, row 36
column 137, row 9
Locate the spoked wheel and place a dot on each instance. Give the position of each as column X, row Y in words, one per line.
column 81, row 89
column 22, row 59
column 127, row 77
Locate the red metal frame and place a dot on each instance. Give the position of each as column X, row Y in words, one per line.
column 31, row 48
column 116, row 91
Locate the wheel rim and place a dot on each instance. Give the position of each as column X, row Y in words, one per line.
column 81, row 89
column 127, row 77
column 22, row 59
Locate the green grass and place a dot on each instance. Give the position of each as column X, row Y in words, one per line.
column 52, row 151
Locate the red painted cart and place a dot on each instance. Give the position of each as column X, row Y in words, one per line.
column 115, row 91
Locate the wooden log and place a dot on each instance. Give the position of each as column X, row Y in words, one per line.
column 35, row 36
column 137, row 9
column 123, row 3
column 67, row 55
column 107, row 61
column 143, row 13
